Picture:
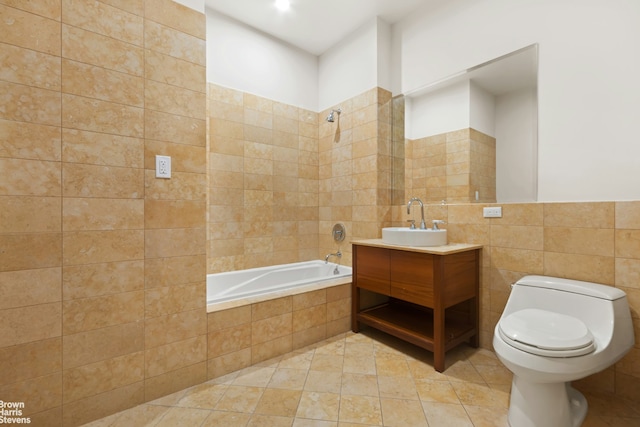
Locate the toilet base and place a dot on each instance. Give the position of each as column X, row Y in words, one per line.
column 545, row 404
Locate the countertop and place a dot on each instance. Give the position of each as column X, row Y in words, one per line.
column 451, row 248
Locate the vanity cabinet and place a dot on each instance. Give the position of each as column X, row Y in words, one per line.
column 431, row 296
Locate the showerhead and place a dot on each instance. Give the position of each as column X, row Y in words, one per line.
column 331, row 117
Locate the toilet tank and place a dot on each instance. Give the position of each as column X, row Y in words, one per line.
column 588, row 289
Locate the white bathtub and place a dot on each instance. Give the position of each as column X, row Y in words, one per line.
column 233, row 288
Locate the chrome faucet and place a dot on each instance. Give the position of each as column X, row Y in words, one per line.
column 337, row 254
column 436, row 222
column 423, row 225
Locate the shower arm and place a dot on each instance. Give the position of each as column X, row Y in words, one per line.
column 330, row 117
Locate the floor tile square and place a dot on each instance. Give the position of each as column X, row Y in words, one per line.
column 328, row 382
column 403, row 413
column 360, row 409
column 278, row 402
column 227, row 419
column 360, row 385
column 240, row 399
column 291, row 379
column 319, row 406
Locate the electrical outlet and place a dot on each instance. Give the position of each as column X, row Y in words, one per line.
column 492, row 212
column 163, row 167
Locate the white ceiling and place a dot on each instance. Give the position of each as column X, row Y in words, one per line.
column 315, row 25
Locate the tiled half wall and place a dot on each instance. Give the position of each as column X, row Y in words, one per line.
column 243, row 336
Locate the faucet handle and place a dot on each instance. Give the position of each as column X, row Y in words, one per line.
column 436, row 222
column 413, row 223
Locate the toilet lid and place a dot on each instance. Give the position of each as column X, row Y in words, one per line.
column 546, row 333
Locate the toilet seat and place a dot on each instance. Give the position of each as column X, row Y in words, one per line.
column 546, row 333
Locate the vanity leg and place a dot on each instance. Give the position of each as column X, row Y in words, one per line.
column 438, row 339
column 475, row 303
column 438, row 361
column 474, row 341
column 355, row 302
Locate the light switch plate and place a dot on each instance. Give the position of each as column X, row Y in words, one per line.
column 163, row 167
column 492, row 212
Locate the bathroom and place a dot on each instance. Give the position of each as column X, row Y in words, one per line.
column 115, row 260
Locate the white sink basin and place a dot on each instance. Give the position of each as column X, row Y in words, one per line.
column 407, row 237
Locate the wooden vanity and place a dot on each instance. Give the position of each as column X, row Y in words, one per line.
column 430, row 295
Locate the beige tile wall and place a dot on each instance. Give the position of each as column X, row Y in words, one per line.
column 280, row 177
column 263, row 182
column 355, row 170
column 243, row 336
column 452, row 166
column 101, row 265
column 592, row 241
column 399, row 151
column 482, row 176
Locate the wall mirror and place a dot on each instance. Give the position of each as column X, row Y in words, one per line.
column 498, row 99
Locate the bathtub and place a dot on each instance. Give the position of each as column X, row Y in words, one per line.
column 234, row 288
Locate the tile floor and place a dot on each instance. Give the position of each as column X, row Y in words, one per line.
column 355, row 380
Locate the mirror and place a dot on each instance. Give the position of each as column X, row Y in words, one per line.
column 472, row 136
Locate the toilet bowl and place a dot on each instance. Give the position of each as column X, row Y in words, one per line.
column 554, row 331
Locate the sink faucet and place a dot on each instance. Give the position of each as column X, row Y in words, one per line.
column 423, row 225
column 337, row 254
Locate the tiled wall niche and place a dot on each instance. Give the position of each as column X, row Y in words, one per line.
column 102, row 266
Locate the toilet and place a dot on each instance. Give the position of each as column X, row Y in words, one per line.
column 554, row 331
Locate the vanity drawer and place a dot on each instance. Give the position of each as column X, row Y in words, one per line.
column 412, row 277
column 372, row 269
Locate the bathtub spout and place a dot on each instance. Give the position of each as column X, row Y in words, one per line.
column 337, row 254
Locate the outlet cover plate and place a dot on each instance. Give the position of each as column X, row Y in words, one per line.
column 163, row 167
column 492, row 212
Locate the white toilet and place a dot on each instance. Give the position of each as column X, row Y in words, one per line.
column 554, row 331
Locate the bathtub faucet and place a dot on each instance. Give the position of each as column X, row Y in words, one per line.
column 337, row 254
